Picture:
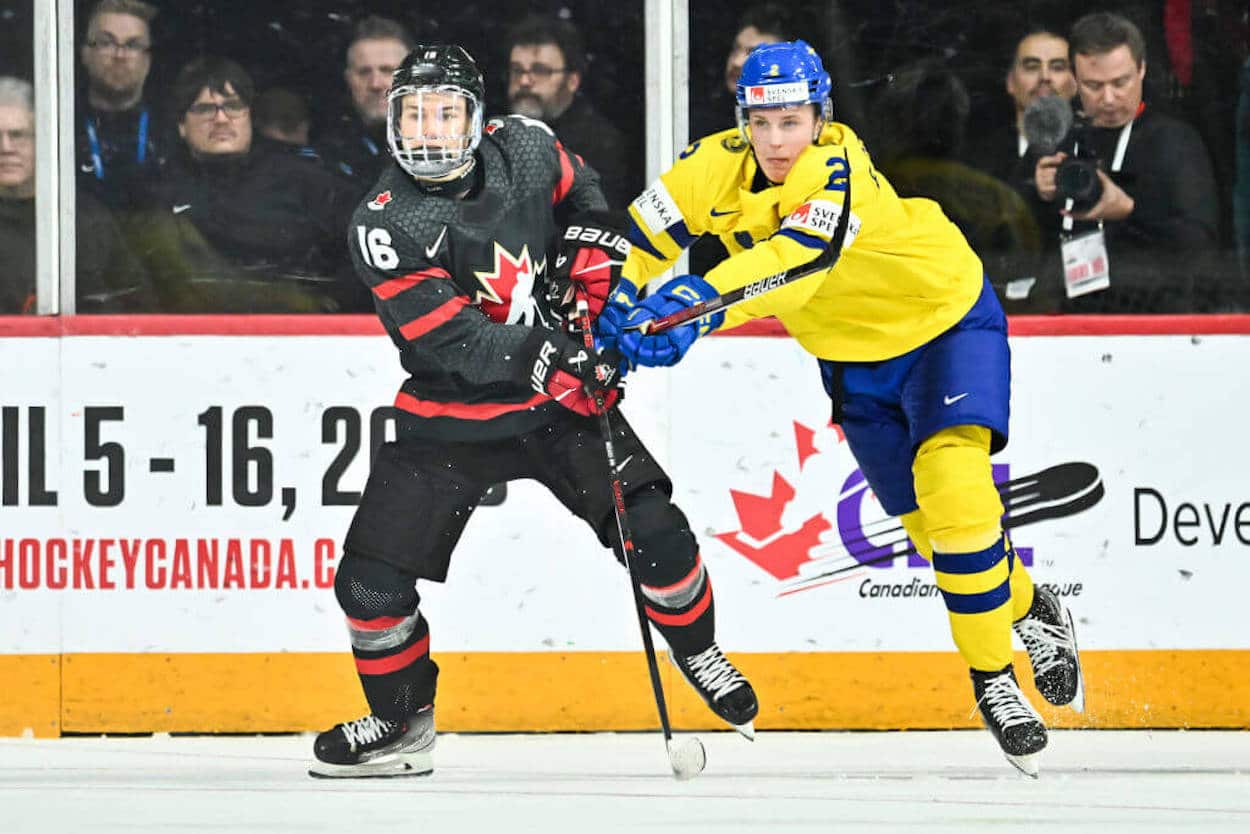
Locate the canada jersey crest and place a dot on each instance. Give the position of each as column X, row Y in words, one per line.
column 506, row 292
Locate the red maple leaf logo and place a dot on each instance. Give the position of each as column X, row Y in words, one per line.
column 379, row 202
column 512, row 278
column 761, row 537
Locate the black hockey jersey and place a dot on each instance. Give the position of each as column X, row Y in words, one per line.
column 460, row 284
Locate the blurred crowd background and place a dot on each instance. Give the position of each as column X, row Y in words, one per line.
column 222, row 146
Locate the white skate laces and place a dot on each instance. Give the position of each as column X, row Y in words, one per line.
column 714, row 672
column 366, row 730
column 1043, row 642
column 1007, row 703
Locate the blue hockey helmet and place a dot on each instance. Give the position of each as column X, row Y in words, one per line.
column 783, row 74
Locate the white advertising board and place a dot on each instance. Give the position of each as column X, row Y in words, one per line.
column 189, row 493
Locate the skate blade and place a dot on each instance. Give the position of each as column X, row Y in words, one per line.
column 1030, row 764
column 747, row 730
column 399, row 765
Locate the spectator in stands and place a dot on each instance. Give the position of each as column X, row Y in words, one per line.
column 356, row 142
column 546, row 68
column 919, row 123
column 109, row 280
column 765, row 23
column 1040, row 67
column 1156, row 219
column 120, row 141
column 240, row 227
column 282, row 116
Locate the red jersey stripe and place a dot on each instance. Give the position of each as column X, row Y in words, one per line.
column 463, row 411
column 660, row 618
column 386, row 665
column 393, row 287
column 418, row 327
column 566, row 175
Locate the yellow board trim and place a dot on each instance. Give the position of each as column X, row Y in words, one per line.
column 586, row 691
column 30, row 697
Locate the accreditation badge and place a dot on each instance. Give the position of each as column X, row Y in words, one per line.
column 1085, row 265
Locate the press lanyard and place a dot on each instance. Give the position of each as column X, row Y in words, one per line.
column 93, row 142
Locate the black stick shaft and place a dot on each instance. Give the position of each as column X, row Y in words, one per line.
column 626, row 535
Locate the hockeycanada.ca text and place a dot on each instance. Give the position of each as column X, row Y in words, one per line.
column 164, row 564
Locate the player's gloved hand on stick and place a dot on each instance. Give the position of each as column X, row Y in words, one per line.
column 611, row 322
column 641, row 347
column 572, row 375
column 592, row 251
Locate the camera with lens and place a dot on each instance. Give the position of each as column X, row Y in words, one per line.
column 1076, row 178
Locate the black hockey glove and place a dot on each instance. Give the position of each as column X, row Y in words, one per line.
column 581, row 380
column 591, row 253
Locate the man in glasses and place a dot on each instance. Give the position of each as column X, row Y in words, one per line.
column 546, row 67
column 119, row 143
column 109, row 280
column 241, row 227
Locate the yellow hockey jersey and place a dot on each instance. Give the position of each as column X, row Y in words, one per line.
column 906, row 273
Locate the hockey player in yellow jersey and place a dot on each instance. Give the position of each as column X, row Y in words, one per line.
column 911, row 343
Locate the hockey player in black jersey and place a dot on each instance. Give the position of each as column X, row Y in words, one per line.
column 459, row 243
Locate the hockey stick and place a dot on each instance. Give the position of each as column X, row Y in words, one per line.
column 826, row 260
column 1058, row 491
column 688, row 758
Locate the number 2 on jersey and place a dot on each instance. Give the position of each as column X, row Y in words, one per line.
column 376, row 249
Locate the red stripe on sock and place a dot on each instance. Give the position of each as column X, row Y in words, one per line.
column 376, row 624
column 386, row 665
column 680, row 583
column 660, row 618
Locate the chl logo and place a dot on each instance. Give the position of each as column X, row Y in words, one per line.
column 830, row 519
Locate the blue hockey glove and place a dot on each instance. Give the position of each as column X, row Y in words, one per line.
column 669, row 346
column 611, row 321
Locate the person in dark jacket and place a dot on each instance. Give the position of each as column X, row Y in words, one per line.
column 1154, row 221
column 121, row 138
column 356, row 141
column 240, row 225
column 109, row 280
column 546, row 68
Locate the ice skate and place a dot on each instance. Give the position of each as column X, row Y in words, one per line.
column 721, row 686
column 375, row 747
column 1016, row 726
column 1050, row 639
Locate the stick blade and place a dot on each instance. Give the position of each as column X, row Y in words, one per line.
column 687, row 758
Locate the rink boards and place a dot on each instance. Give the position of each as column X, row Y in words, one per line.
column 173, row 492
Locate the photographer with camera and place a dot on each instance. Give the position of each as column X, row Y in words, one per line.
column 1134, row 187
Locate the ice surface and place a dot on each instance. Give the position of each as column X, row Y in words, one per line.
column 792, row 782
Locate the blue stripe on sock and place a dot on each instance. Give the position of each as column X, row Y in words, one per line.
column 965, row 563
column 977, row 603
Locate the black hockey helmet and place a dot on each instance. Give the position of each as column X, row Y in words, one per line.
column 434, row 112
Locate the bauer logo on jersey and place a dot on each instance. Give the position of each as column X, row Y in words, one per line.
column 379, row 202
column 657, row 208
column 763, row 95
